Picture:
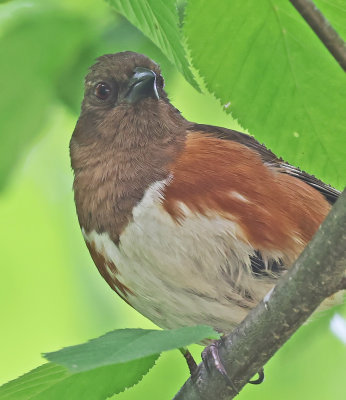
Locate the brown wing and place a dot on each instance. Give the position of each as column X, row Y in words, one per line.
column 268, row 156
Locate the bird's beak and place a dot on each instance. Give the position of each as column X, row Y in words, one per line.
column 141, row 85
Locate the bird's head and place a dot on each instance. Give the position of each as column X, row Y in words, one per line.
column 126, row 119
column 126, row 80
column 124, row 103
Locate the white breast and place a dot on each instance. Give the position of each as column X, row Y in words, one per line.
column 193, row 272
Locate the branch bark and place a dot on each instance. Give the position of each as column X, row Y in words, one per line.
column 320, row 25
column 318, row 273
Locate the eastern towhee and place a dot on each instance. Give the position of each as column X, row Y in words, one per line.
column 188, row 223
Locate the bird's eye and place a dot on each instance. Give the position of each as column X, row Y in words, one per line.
column 102, row 90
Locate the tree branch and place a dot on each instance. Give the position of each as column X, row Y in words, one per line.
column 320, row 25
column 316, row 275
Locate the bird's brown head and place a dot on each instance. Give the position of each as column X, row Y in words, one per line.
column 124, row 97
column 125, row 138
column 122, row 80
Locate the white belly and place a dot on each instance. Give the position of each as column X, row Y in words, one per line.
column 193, row 272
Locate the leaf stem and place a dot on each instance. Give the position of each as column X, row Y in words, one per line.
column 323, row 29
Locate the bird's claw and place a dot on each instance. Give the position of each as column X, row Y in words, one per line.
column 260, row 378
column 212, row 353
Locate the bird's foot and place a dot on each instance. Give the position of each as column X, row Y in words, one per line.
column 212, row 353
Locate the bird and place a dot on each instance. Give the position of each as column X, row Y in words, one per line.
column 188, row 223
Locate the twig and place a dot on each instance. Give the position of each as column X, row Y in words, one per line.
column 320, row 25
column 316, row 275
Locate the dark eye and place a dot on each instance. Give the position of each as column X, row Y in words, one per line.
column 102, row 90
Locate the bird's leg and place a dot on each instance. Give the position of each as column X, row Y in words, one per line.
column 212, row 353
column 191, row 363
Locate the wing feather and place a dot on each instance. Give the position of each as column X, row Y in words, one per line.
column 269, row 157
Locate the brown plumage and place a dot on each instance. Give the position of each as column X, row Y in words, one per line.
column 237, row 184
column 188, row 223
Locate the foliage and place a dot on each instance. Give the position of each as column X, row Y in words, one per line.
column 261, row 62
column 280, row 81
column 54, row 382
column 159, row 21
column 34, row 87
column 102, row 367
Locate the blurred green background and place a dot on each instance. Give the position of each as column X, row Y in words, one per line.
column 51, row 295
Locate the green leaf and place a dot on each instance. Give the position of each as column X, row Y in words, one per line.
column 335, row 12
column 125, row 345
column 54, row 382
column 264, row 62
column 102, row 367
column 37, row 46
column 159, row 21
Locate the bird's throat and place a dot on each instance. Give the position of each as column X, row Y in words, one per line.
column 113, row 181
